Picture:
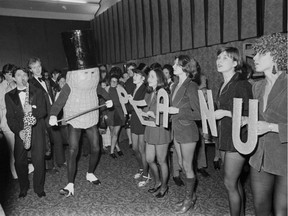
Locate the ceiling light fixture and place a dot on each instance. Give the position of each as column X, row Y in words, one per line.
column 74, row 1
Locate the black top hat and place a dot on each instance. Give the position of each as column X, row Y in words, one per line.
column 79, row 49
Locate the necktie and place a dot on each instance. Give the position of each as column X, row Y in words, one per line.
column 40, row 79
column 19, row 91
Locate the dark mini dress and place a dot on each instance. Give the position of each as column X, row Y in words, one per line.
column 155, row 135
column 115, row 113
column 235, row 88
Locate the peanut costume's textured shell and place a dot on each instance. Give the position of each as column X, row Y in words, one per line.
column 83, row 96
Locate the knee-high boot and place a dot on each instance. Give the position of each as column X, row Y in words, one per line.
column 190, row 197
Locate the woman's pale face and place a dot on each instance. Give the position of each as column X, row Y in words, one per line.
column 166, row 73
column 62, row 82
column 225, row 63
column 152, row 79
column 113, row 82
column 8, row 77
column 138, row 78
column 263, row 62
column 178, row 70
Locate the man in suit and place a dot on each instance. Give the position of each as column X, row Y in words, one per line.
column 35, row 67
column 20, row 101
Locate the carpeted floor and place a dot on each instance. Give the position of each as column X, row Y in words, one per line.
column 117, row 195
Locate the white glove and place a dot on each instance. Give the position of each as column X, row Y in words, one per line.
column 109, row 103
column 53, row 120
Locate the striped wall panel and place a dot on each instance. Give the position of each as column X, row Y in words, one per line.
column 121, row 31
column 147, row 28
column 165, row 34
column 140, row 29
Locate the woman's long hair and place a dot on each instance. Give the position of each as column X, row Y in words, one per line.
column 161, row 81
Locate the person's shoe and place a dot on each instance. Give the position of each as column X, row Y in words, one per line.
column 162, row 194
column 203, row 172
column 130, row 145
column 22, row 194
column 120, row 153
column 41, row 194
column 145, row 181
column 92, row 178
column 217, row 164
column 113, row 155
column 154, row 189
column 178, row 181
column 139, row 174
column 68, row 190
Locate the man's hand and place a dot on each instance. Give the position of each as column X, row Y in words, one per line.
column 109, row 103
column 53, row 120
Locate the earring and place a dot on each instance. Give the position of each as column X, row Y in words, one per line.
column 274, row 70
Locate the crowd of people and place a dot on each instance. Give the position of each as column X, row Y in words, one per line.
column 160, row 152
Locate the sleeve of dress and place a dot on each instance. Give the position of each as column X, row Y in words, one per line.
column 103, row 93
column 194, row 101
column 61, row 100
column 283, row 132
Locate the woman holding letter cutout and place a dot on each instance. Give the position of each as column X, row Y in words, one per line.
column 235, row 85
column 269, row 161
column 186, row 109
column 157, row 138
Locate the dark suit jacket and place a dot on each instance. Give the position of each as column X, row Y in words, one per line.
column 34, row 82
column 184, row 127
column 15, row 113
column 271, row 151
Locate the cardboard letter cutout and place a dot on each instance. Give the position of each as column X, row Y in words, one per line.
column 207, row 113
column 249, row 146
column 162, row 107
column 138, row 111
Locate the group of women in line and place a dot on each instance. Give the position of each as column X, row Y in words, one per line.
column 268, row 161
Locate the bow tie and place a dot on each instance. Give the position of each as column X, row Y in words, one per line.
column 19, row 91
column 40, row 79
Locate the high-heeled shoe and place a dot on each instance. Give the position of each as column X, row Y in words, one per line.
column 68, row 190
column 120, row 153
column 162, row 194
column 154, row 189
column 113, row 155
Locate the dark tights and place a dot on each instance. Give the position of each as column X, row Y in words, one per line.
column 269, row 191
column 74, row 136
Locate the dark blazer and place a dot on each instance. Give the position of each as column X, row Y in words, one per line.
column 235, row 88
column 15, row 116
column 184, row 128
column 155, row 135
column 271, row 151
column 136, row 126
column 15, row 111
column 34, row 82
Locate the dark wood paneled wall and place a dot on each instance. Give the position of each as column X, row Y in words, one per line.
column 22, row 38
column 147, row 28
